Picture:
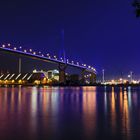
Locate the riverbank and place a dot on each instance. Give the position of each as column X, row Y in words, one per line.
column 74, row 85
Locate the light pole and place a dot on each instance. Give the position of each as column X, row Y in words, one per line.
column 131, row 78
column 103, row 76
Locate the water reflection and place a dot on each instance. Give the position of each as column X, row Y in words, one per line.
column 89, row 111
column 68, row 113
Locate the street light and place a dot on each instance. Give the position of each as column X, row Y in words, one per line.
column 131, row 74
column 103, row 76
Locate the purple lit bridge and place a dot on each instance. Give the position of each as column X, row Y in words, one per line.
column 62, row 64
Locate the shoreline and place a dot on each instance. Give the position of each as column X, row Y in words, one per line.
column 72, row 85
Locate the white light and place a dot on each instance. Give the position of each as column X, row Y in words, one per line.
column 9, row 45
column 34, row 71
column 42, row 55
column 6, row 76
column 30, row 50
column 15, row 48
column 29, row 77
column 3, row 46
column 18, row 76
column 129, row 76
column 24, row 76
column 20, row 47
column 48, row 54
column 34, row 53
column 25, row 51
column 39, row 52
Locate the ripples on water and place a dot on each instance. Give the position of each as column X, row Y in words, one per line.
column 70, row 113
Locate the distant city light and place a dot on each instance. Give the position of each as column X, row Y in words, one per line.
column 34, row 71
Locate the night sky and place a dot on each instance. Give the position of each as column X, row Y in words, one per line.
column 102, row 33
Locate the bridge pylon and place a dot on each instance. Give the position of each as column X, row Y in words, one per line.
column 92, row 78
column 62, row 74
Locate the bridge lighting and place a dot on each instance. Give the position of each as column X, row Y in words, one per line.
column 9, row 45
column 67, row 61
column 3, row 46
column 61, row 59
column 49, row 57
column 55, row 57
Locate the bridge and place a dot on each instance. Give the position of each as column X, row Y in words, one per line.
column 62, row 63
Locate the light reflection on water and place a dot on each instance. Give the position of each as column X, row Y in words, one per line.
column 69, row 113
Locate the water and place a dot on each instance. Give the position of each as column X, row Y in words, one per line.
column 69, row 113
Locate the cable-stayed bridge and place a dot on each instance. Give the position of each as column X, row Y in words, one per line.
column 62, row 63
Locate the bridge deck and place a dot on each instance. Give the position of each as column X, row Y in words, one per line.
column 44, row 58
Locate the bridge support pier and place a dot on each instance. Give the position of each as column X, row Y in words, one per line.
column 62, row 76
column 83, row 76
column 92, row 78
column 19, row 65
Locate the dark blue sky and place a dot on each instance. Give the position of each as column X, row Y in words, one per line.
column 103, row 33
